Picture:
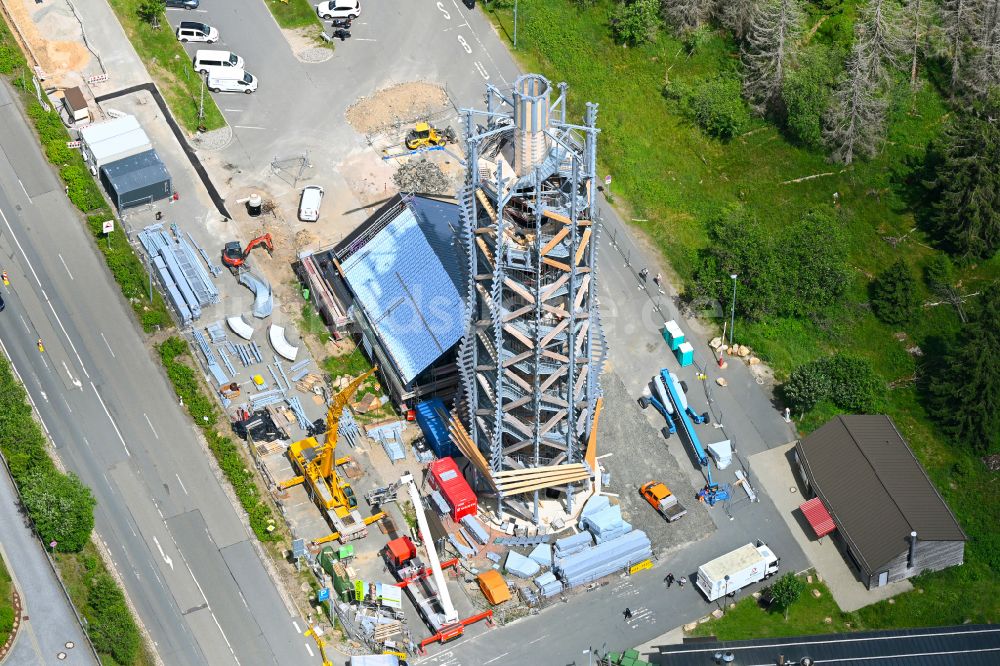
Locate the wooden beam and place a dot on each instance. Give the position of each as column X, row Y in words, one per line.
column 525, row 340
column 485, row 202
column 537, row 484
column 591, row 453
column 555, row 240
column 554, row 332
column 519, row 290
column 582, row 247
column 554, row 287
column 520, row 311
column 558, row 217
column 555, row 264
column 508, row 474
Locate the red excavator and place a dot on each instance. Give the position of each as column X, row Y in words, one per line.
column 235, row 256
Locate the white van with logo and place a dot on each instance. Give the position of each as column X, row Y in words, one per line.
column 195, row 31
column 231, row 80
column 206, row 61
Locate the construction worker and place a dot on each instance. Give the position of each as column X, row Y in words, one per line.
column 41, row 347
column 6, row 280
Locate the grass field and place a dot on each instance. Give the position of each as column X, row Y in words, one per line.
column 170, row 67
column 666, row 171
column 6, row 602
column 291, row 14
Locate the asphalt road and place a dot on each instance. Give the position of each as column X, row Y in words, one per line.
column 187, row 561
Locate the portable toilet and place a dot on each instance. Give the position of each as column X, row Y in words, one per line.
column 673, row 334
column 685, row 354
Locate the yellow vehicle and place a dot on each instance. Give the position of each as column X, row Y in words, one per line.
column 425, row 136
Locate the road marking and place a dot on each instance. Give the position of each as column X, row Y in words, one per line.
column 537, row 639
column 85, row 441
column 25, row 323
column 296, row 625
column 24, row 190
column 68, row 339
column 66, row 267
column 444, row 11
column 235, row 110
column 76, row 382
column 482, row 70
column 45, row 397
column 495, row 658
column 249, row 127
column 109, row 346
column 465, row 44
column 66, row 402
column 20, row 248
column 364, row 39
column 166, row 558
column 151, row 426
column 181, row 482
column 113, row 424
column 309, row 650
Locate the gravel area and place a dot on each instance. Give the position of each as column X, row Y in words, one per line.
column 214, row 140
column 314, row 55
column 639, row 454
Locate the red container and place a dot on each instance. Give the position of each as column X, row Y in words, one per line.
column 446, row 478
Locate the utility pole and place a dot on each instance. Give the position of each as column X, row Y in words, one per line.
column 515, row 24
column 201, row 104
column 732, row 320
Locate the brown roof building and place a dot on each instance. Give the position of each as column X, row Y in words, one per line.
column 889, row 517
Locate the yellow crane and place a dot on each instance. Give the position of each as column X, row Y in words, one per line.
column 320, row 643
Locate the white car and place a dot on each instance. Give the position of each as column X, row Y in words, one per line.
column 312, row 197
column 194, row 31
column 335, row 9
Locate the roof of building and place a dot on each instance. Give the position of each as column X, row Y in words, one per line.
column 874, row 488
column 406, row 278
column 970, row 645
column 114, row 137
column 75, row 99
column 136, row 172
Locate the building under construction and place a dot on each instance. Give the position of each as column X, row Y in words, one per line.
column 531, row 359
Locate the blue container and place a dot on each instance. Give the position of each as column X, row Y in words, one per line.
column 431, row 416
column 673, row 334
column 685, row 354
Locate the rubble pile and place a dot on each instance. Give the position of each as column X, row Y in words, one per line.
column 421, row 176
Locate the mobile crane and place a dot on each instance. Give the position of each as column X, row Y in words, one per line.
column 427, row 586
column 317, row 465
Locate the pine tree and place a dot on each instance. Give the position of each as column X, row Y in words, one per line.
column 685, row 15
column 737, row 16
column 768, row 51
column 956, row 24
column 855, row 124
column 894, row 295
column 966, row 182
column 984, row 72
column 919, row 17
column 880, row 19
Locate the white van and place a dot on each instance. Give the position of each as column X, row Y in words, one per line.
column 312, row 197
column 231, row 80
column 195, row 31
column 205, row 61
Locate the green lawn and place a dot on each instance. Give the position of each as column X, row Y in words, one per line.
column 293, row 14
column 170, row 67
column 666, row 171
column 6, row 602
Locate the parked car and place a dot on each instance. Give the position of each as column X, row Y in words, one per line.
column 193, row 31
column 3, row 306
column 232, row 80
column 183, row 4
column 312, row 197
column 206, row 61
column 334, row 9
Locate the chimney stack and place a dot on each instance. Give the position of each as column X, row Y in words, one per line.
column 913, row 550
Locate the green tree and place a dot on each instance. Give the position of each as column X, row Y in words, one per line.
column 151, row 10
column 854, row 385
column 939, row 273
column 61, row 507
column 813, row 253
column 112, row 628
column 786, row 591
column 635, row 21
column 965, row 185
column 963, row 391
column 716, row 105
column 894, row 295
column 807, row 92
column 807, row 385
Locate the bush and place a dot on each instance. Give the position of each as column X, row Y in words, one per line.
column 715, row 104
column 11, row 58
column 806, row 93
column 851, row 383
column 111, row 627
column 786, row 591
column 893, row 294
column 61, row 508
column 939, row 273
column 635, row 21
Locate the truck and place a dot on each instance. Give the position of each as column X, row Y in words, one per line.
column 729, row 573
column 664, row 501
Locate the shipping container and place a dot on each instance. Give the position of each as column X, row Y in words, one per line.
column 432, row 419
column 446, row 478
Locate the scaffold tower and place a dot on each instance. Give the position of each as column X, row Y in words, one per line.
column 534, row 348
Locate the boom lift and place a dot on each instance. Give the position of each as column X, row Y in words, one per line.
column 427, row 586
column 235, row 256
column 317, row 465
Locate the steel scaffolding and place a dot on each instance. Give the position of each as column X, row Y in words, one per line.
column 534, row 349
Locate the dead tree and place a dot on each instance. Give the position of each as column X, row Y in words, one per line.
column 880, row 20
column 956, row 25
column 984, row 72
column 769, row 49
column 686, row 15
column 919, row 16
column 737, row 16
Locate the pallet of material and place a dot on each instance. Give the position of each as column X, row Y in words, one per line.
column 308, row 383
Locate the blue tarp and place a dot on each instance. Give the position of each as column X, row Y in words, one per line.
column 542, row 554
column 434, row 427
column 519, row 565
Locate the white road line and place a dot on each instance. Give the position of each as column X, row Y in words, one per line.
column 24, row 190
column 20, row 248
column 235, row 110
column 296, row 625
column 495, row 658
column 66, row 267
column 109, row 346
column 70, row 409
column 537, row 639
column 113, row 424
column 85, row 441
column 363, row 39
column 309, row 650
column 25, row 323
column 151, row 426
column 68, row 339
column 482, row 71
column 181, row 482
column 249, row 127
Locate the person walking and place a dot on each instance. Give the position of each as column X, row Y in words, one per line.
column 681, row 581
column 628, row 614
column 670, row 579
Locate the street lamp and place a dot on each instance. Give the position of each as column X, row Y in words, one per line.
column 732, row 320
column 727, row 585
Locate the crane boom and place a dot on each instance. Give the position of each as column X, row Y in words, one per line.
column 450, row 614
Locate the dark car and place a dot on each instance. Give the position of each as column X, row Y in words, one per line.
column 183, row 4
column 2, row 304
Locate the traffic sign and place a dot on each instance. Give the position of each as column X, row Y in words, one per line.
column 607, row 179
column 323, row 594
column 107, row 226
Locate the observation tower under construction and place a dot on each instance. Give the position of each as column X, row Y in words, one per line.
column 534, row 349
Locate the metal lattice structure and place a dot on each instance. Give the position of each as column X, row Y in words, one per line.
column 534, row 349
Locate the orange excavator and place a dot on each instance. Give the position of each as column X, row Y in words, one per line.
column 234, row 256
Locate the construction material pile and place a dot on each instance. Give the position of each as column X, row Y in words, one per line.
column 187, row 284
column 603, row 520
column 421, row 176
column 604, row 558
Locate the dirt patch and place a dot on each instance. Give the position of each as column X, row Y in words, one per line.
column 306, row 45
column 57, row 58
column 397, row 104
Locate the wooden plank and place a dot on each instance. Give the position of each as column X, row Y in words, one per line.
column 590, row 455
column 555, row 241
column 485, row 250
column 519, row 312
column 554, row 287
column 558, row 217
column 485, row 202
column 582, row 247
column 525, row 340
column 537, row 471
column 519, row 290
column 560, row 327
column 555, row 264
column 519, row 488
column 461, row 439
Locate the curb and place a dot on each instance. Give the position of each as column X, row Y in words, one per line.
column 9, row 645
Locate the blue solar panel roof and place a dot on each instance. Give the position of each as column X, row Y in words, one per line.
column 409, row 296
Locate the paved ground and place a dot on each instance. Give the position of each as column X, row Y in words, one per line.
column 51, row 624
column 774, row 469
